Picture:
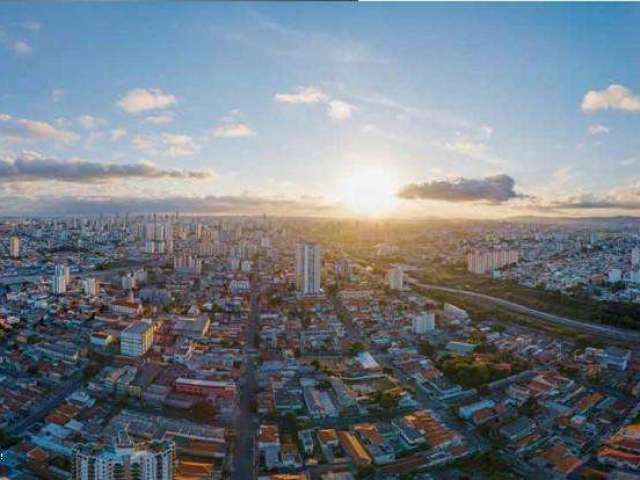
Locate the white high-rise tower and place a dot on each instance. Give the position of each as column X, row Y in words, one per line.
column 308, row 265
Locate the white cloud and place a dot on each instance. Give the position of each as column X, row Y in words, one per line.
column 20, row 48
column 142, row 100
column 336, row 109
column 469, row 149
column 598, row 130
column 339, row 110
column 25, row 129
column 614, row 97
column 302, row 95
column 169, row 144
column 57, row 94
column 117, row 134
column 160, row 119
column 89, row 122
column 31, row 25
column 232, row 130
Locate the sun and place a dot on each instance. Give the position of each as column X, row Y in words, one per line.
column 370, row 191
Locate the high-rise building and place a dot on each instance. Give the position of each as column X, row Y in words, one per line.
column 60, row 279
column 90, row 286
column 125, row 460
column 635, row 256
column 58, row 284
column 423, row 322
column 483, row 262
column 396, row 278
column 308, row 268
column 136, row 339
column 14, row 247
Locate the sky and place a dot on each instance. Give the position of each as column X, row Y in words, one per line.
column 328, row 109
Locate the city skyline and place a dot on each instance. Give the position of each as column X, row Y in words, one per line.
column 374, row 111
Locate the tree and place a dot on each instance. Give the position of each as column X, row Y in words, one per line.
column 356, row 348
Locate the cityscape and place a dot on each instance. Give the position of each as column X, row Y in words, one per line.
column 319, row 241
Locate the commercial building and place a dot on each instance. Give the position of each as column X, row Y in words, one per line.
column 308, row 268
column 423, row 322
column 14, row 247
column 136, row 339
column 396, row 278
column 124, row 460
column 484, row 262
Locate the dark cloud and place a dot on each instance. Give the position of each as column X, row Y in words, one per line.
column 35, row 168
column 224, row 204
column 495, row 189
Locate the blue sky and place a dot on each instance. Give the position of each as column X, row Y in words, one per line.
column 322, row 107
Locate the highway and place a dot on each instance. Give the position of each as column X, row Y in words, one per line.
column 592, row 328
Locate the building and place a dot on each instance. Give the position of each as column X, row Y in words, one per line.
column 635, row 256
column 617, row 358
column 269, row 444
column 124, row 460
column 484, row 262
column 208, row 388
column 396, row 278
column 90, row 286
column 58, row 284
column 14, row 247
column 423, row 322
column 128, row 282
column 136, row 339
column 614, row 275
column 308, row 267
column 187, row 265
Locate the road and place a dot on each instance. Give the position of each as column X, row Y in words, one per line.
column 244, row 453
column 47, row 405
column 592, row 328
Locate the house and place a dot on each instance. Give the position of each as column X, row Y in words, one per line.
column 518, row 429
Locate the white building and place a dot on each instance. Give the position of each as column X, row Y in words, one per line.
column 14, row 247
column 308, row 268
column 423, row 323
column 128, row 282
column 614, row 275
column 90, row 286
column 635, row 256
column 483, row 262
column 58, row 284
column 396, row 278
column 136, row 339
column 153, row 460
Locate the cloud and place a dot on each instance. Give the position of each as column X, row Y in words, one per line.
column 33, row 167
column 336, row 109
column 232, row 130
column 143, row 100
column 57, row 94
column 494, row 189
column 224, row 204
column 598, row 130
column 339, row 110
column 20, row 48
column 31, row 25
column 160, row 119
column 25, row 129
column 614, row 97
column 89, row 122
column 476, row 150
column 117, row 134
column 302, row 95
column 168, row 144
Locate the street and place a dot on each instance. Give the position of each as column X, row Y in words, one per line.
column 245, row 428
